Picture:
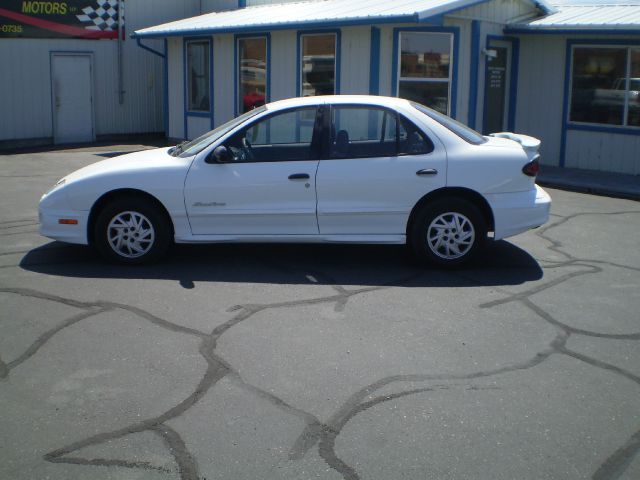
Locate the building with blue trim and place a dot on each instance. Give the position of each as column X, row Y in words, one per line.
column 565, row 71
column 493, row 64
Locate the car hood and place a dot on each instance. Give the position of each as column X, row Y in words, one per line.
column 146, row 160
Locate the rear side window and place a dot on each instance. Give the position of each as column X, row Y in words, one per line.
column 412, row 140
column 365, row 132
column 464, row 132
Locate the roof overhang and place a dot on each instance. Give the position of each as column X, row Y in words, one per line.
column 586, row 18
column 315, row 14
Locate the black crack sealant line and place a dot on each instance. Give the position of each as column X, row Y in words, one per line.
column 324, row 434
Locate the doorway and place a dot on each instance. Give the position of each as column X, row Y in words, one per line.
column 499, row 81
column 72, row 97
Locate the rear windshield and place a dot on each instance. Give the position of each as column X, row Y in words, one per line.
column 464, row 132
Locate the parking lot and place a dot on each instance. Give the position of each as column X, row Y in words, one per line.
column 303, row 361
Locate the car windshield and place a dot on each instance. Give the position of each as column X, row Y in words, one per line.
column 187, row 149
column 456, row 127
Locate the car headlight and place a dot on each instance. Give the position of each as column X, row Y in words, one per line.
column 59, row 183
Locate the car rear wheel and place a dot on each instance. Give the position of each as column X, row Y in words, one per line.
column 132, row 231
column 448, row 232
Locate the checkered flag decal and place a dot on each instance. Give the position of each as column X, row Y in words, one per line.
column 104, row 18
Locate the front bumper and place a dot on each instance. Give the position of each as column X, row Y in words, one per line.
column 518, row 212
column 52, row 209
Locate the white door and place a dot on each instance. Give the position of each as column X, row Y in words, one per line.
column 72, row 98
column 267, row 187
column 378, row 170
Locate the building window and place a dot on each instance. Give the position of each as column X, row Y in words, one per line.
column 252, row 75
column 318, row 64
column 605, row 86
column 425, row 69
column 198, row 71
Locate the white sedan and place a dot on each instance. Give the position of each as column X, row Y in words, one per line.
column 331, row 169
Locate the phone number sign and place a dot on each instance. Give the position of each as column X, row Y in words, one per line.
column 93, row 19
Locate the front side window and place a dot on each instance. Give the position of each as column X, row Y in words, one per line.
column 365, row 132
column 285, row 136
column 425, row 69
column 605, row 83
column 252, row 77
column 198, row 69
column 318, row 64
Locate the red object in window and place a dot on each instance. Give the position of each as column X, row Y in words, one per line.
column 252, row 100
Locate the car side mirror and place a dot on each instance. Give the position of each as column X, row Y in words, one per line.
column 219, row 155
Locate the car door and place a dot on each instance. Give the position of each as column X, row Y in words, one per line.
column 267, row 187
column 380, row 164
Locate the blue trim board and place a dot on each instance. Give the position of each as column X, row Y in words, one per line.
column 513, row 77
column 301, row 33
column 395, row 65
column 473, row 73
column 236, row 65
column 242, row 3
column 211, row 103
column 374, row 62
column 165, row 88
column 53, row 133
column 566, row 125
column 186, row 111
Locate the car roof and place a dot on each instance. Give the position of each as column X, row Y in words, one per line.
column 390, row 102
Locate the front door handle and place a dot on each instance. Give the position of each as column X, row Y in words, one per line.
column 299, row 176
column 427, row 171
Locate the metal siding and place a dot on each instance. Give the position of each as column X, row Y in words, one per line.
column 499, row 11
column 603, row 151
column 464, row 59
column 207, row 6
column 224, row 78
column 355, row 56
column 386, row 60
column 25, row 92
column 197, row 126
column 283, row 65
column 540, row 93
column 176, row 87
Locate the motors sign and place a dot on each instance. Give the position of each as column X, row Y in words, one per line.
column 92, row 19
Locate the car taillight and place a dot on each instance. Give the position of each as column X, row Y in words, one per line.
column 532, row 168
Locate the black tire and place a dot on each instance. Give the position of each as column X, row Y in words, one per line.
column 433, row 242
column 139, row 230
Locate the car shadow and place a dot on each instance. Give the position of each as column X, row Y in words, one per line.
column 502, row 263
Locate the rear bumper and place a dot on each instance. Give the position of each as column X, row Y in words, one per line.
column 518, row 212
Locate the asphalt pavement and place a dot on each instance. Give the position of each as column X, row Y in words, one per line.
column 311, row 361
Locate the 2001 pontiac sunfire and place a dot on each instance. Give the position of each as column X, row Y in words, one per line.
column 347, row 169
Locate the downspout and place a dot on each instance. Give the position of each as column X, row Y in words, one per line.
column 120, row 33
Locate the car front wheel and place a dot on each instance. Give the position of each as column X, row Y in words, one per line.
column 448, row 232
column 132, row 231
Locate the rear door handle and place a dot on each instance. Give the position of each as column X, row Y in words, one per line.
column 427, row 171
column 299, row 176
